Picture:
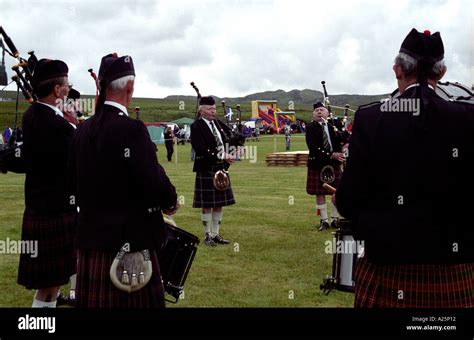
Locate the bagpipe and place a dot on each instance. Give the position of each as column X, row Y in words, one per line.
column 327, row 174
column 97, row 86
column 449, row 91
column 340, row 126
column 11, row 153
column 233, row 139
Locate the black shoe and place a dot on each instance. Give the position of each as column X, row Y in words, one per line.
column 335, row 224
column 324, row 225
column 219, row 240
column 209, row 241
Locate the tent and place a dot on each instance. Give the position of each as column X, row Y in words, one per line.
column 156, row 134
column 183, row 121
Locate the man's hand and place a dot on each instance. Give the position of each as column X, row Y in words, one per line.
column 240, row 151
column 71, row 117
column 172, row 210
column 229, row 158
column 338, row 156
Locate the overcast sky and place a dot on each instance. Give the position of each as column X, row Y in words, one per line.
column 233, row 48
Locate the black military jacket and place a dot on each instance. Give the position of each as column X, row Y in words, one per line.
column 408, row 182
column 120, row 187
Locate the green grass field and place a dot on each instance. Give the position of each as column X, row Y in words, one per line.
column 276, row 258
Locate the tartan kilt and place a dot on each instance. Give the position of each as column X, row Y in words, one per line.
column 95, row 289
column 56, row 260
column 206, row 195
column 414, row 285
column 314, row 185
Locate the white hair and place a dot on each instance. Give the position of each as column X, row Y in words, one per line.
column 120, row 83
column 409, row 65
column 201, row 107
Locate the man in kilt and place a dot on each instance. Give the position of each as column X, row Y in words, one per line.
column 121, row 192
column 407, row 168
column 49, row 217
column 324, row 162
column 209, row 137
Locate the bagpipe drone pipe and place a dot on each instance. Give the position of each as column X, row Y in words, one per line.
column 339, row 125
column 11, row 152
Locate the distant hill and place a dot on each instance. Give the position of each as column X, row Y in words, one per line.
column 304, row 97
column 171, row 108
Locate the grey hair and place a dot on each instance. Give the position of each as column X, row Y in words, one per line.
column 202, row 107
column 120, row 83
column 409, row 65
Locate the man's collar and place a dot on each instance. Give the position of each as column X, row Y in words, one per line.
column 122, row 108
column 417, row 84
column 54, row 108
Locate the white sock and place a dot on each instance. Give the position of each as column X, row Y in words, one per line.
column 323, row 210
column 334, row 213
column 42, row 304
column 207, row 222
column 72, row 291
column 216, row 222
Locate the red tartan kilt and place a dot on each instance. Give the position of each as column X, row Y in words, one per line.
column 56, row 260
column 314, row 185
column 95, row 289
column 414, row 285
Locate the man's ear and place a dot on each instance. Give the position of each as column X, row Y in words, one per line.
column 130, row 86
column 57, row 91
column 443, row 73
column 397, row 69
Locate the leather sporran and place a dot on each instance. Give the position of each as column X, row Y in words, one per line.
column 221, row 180
column 131, row 271
column 327, row 174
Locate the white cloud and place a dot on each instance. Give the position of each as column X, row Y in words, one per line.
column 233, row 48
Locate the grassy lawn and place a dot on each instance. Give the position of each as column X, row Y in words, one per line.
column 276, row 258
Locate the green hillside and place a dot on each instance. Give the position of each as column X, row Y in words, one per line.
column 174, row 107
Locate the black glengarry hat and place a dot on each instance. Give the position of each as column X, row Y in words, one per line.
column 423, row 46
column 209, row 100
column 318, row 104
column 46, row 69
column 113, row 67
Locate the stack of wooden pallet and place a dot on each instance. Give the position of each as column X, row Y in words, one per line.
column 294, row 158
